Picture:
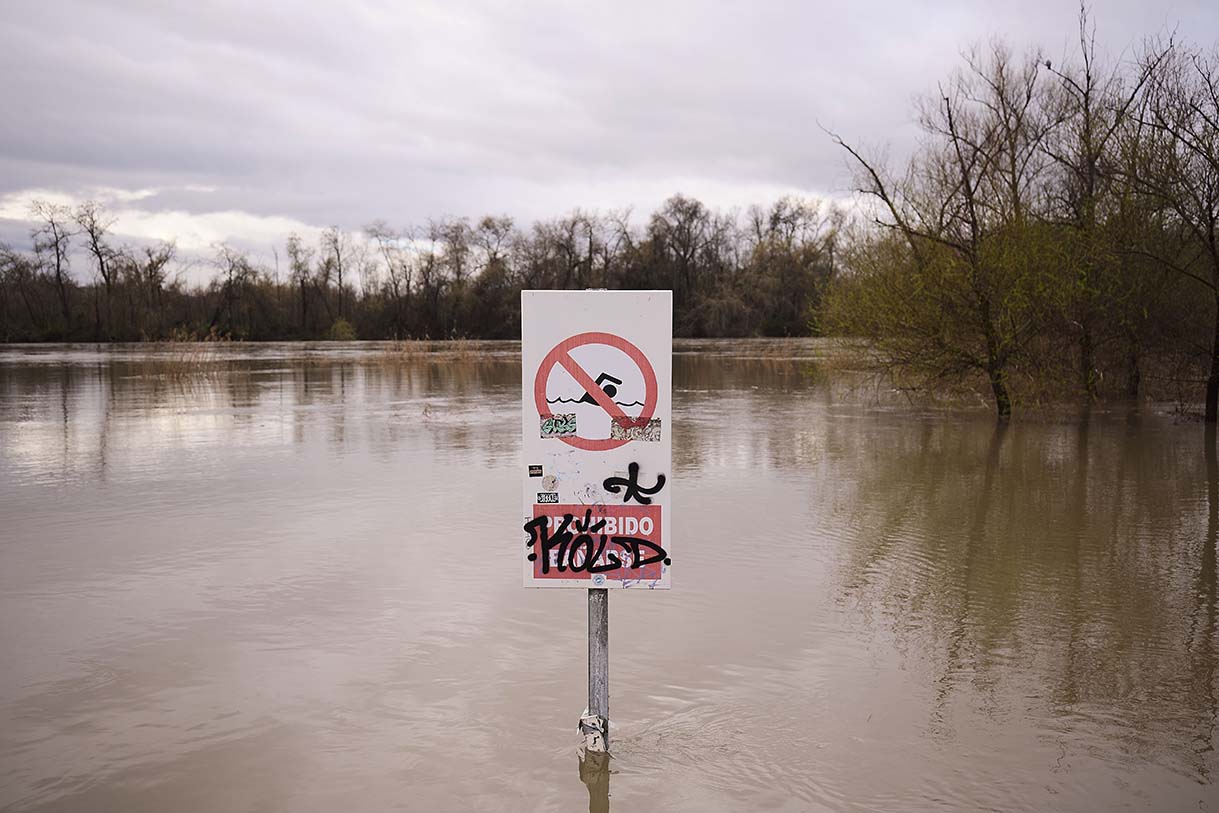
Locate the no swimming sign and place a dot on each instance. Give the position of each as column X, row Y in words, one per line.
column 596, row 392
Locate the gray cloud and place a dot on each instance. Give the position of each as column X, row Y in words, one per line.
column 339, row 113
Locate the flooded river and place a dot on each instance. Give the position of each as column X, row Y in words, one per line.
column 286, row 577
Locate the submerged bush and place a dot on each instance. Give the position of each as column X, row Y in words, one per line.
column 341, row 331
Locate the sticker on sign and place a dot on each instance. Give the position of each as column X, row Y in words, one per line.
column 597, row 412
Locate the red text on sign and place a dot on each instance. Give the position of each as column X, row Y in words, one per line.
column 582, row 542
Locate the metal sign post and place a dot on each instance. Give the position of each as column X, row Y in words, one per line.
column 598, row 670
column 596, row 386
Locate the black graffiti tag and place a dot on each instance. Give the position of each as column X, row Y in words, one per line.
column 634, row 491
column 577, row 536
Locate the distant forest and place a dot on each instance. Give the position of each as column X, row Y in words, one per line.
column 1056, row 233
column 757, row 274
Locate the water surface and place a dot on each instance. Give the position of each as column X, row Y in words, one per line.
column 285, row 577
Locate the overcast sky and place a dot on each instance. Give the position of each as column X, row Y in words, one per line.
column 241, row 121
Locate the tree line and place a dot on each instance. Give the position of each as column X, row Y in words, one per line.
column 1058, row 227
column 761, row 272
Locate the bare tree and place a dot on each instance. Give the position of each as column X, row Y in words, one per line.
column 153, row 273
column 1090, row 105
column 336, row 246
column 679, row 231
column 17, row 271
column 1178, row 169
column 492, row 236
column 398, row 278
column 94, row 225
column 966, row 302
column 236, row 272
column 53, row 239
column 300, row 270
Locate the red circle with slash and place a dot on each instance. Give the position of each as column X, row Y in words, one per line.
column 561, row 355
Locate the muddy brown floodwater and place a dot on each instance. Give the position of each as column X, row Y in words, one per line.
column 286, row 577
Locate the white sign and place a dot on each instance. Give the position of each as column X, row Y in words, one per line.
column 596, row 398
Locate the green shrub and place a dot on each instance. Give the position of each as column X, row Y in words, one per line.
column 341, row 331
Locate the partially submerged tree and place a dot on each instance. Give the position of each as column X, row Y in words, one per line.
column 1090, row 105
column 954, row 283
column 1177, row 171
